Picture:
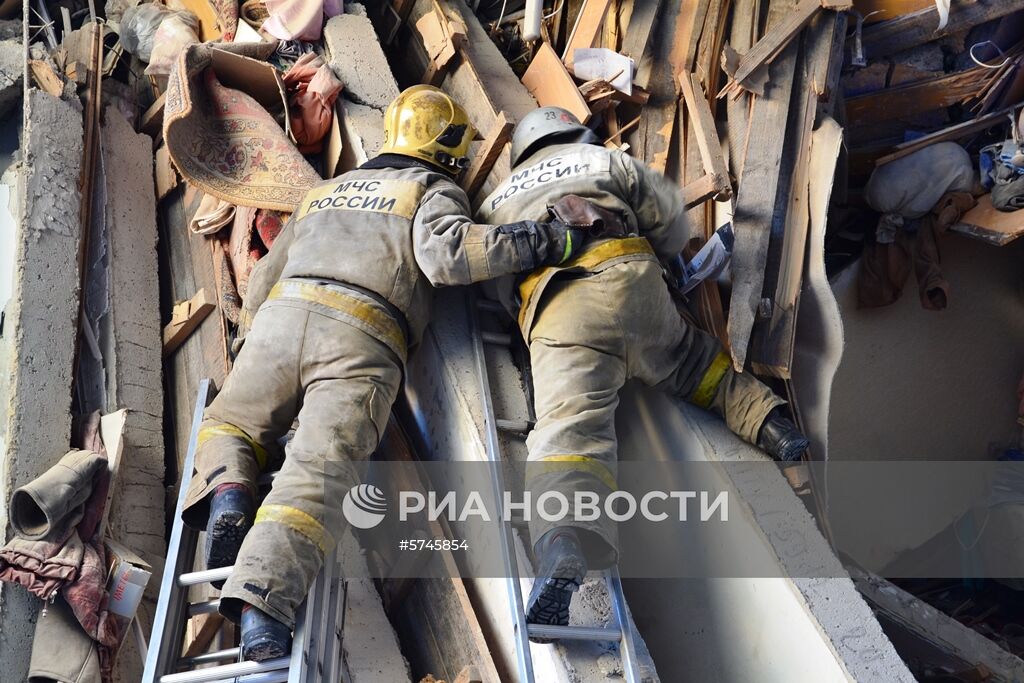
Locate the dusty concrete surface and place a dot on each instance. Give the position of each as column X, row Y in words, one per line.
column 134, row 361
column 370, row 650
column 358, row 60
column 40, row 330
column 11, row 74
column 362, row 131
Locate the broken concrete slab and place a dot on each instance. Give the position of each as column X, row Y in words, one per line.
column 134, row 359
column 362, row 132
column 11, row 75
column 358, row 60
column 39, row 330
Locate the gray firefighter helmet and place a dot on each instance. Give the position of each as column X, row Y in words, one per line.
column 548, row 126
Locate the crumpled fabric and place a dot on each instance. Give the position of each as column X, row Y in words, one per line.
column 885, row 267
column 67, row 558
column 908, row 188
column 1009, row 196
column 212, row 215
column 41, row 567
column 299, row 19
column 269, row 224
column 312, row 89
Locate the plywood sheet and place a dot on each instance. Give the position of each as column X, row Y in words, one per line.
column 986, row 223
column 552, row 86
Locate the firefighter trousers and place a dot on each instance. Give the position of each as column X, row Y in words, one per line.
column 301, row 360
column 594, row 331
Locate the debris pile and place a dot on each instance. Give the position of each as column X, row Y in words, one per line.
column 804, row 135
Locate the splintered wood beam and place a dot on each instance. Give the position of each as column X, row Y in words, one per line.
column 490, row 149
column 588, row 26
column 184, row 319
column 702, row 122
column 45, row 77
column 552, row 86
column 152, row 121
column 910, row 30
column 443, row 37
column 758, row 187
column 769, row 47
column 699, row 191
column 952, row 133
column 902, row 101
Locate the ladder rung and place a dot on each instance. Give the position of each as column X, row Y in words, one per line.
column 496, row 338
column 204, row 576
column 513, row 426
column 208, row 607
column 609, row 635
column 228, row 671
column 209, row 657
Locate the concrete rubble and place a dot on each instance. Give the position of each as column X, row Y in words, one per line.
column 770, row 116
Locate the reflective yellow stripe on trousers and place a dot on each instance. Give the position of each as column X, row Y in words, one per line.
column 705, row 392
column 207, row 433
column 377, row 319
column 591, row 258
column 579, row 463
column 299, row 521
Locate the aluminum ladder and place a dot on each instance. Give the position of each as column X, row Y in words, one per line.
column 316, row 644
column 623, row 632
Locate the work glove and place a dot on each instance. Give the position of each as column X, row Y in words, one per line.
column 566, row 241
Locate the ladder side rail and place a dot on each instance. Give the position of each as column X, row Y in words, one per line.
column 627, row 643
column 492, row 449
column 169, row 618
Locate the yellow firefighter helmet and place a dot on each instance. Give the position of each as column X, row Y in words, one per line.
column 425, row 123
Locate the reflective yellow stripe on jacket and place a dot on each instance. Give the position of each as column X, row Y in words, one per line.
column 592, row 258
column 383, row 324
column 299, row 521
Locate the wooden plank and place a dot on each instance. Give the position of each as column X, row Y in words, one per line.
column 551, row 85
column 755, row 201
column 152, row 121
column 482, row 80
column 185, row 319
column 908, row 100
column 956, row 132
column 638, row 33
column 902, row 33
column 45, row 77
column 487, row 154
column 986, row 223
column 588, row 26
column 703, row 124
column 443, row 36
column 699, row 191
column 766, row 49
column 743, row 32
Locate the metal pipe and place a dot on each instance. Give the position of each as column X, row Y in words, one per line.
column 604, row 635
column 208, row 607
column 210, row 657
column 229, row 671
column 531, row 24
column 204, row 576
column 627, row 646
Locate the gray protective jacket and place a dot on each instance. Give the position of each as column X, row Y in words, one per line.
column 393, row 228
column 648, row 203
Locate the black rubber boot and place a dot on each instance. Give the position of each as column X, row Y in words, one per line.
column 780, row 438
column 561, row 569
column 232, row 511
column 263, row 636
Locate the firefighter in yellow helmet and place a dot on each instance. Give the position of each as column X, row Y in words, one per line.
column 334, row 310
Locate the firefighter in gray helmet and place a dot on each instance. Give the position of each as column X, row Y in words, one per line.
column 334, row 310
column 597, row 319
